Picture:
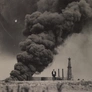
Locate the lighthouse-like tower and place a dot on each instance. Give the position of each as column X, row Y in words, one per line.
column 69, row 70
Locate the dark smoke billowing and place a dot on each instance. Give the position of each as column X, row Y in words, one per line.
column 46, row 29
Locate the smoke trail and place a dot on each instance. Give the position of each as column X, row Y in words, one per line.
column 45, row 31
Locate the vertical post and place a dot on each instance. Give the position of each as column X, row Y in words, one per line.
column 62, row 74
column 59, row 73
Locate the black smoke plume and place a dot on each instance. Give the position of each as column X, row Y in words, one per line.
column 46, row 29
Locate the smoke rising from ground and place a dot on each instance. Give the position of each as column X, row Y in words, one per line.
column 46, row 30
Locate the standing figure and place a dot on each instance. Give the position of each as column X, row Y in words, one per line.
column 54, row 74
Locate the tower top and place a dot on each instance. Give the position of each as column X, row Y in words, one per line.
column 69, row 62
column 69, row 59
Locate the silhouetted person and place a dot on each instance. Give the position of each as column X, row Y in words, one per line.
column 54, row 74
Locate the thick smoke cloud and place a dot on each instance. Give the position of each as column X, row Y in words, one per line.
column 45, row 30
column 53, row 5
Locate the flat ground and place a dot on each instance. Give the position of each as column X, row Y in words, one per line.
column 46, row 86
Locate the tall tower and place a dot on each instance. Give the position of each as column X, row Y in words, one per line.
column 69, row 70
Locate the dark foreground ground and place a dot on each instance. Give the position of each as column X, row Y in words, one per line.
column 46, row 86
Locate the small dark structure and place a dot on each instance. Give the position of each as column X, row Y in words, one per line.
column 54, row 74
